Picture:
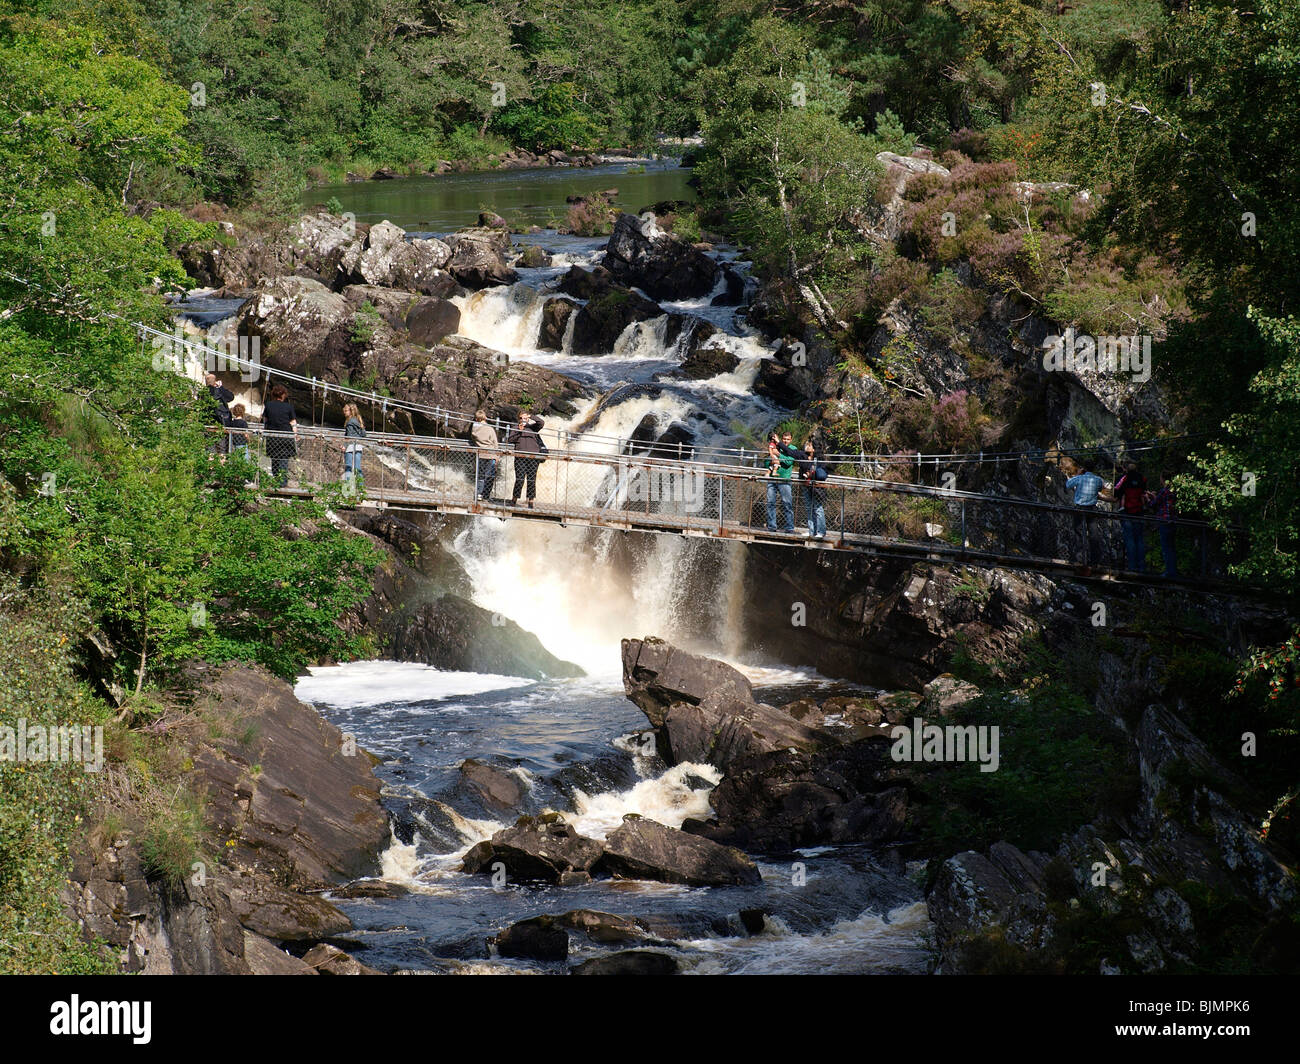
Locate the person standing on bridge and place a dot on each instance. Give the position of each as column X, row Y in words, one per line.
column 280, row 418
column 485, row 439
column 1130, row 498
column 239, row 440
column 221, row 397
column 813, row 474
column 1086, row 486
column 780, row 467
column 354, row 429
column 529, row 450
column 1162, row 506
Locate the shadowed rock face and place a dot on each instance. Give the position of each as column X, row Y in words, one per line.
column 454, row 633
column 644, row 849
column 663, row 266
column 629, row 962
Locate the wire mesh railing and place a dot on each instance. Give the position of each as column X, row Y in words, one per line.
column 715, row 500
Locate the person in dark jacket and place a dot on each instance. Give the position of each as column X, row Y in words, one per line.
column 279, row 416
column 239, row 440
column 221, row 399
column 529, row 451
column 1130, row 499
column 813, row 473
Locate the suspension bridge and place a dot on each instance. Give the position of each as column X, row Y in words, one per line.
column 711, row 500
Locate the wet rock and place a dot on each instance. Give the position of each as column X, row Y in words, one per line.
column 533, row 257
column 656, row 675
column 629, row 962
column 278, row 914
column 330, row 960
column 371, row 888
column 605, row 928
column 491, row 220
column 644, row 849
column 640, row 253
column 494, row 787
column 538, row 939
column 555, row 320
column 264, row 957
column 723, row 731
column 783, row 800
column 385, row 173
column 478, row 258
column 454, row 633
column 534, row 850
column 430, row 321
column 706, row 360
column 733, row 294
column 601, row 320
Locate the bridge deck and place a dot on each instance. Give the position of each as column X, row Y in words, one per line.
column 726, row 502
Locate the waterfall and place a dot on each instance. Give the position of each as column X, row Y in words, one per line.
column 582, row 590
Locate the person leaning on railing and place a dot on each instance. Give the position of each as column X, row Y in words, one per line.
column 813, row 474
column 279, row 416
column 529, row 454
column 780, row 466
column 485, row 439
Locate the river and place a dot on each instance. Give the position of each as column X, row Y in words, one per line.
column 580, row 745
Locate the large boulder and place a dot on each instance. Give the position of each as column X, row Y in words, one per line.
column 426, row 320
column 722, row 731
column 665, row 267
column 657, row 674
column 603, row 318
column 543, row 849
column 479, row 258
column 494, row 787
column 781, row 800
column 556, row 313
column 294, row 317
column 537, row 938
column 628, row 962
column 417, row 265
column 644, row 849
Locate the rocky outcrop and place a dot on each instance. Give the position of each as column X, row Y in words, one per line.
column 782, row 800
column 600, row 321
column 479, row 258
column 330, row 960
column 454, row 633
column 661, row 265
column 389, row 259
column 657, row 674
column 291, row 809
column 644, row 849
column 307, row 329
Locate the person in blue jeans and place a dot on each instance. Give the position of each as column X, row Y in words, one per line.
column 779, row 469
column 812, row 473
column 1130, row 497
column 354, row 430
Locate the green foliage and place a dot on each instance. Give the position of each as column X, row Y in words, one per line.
column 557, row 118
column 43, row 805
